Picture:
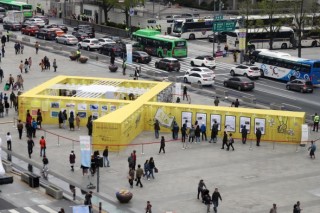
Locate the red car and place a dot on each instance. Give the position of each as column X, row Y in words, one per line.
column 30, row 30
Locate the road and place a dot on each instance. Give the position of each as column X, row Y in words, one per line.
column 266, row 91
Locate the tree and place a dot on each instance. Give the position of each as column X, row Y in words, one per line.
column 299, row 11
column 125, row 5
column 107, row 5
column 245, row 9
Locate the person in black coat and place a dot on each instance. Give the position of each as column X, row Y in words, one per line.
column 162, row 145
column 215, row 199
column 30, row 146
column 244, row 133
column 224, row 140
column 89, row 125
column 258, row 136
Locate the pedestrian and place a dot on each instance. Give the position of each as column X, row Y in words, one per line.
column 16, row 48
column 230, row 142
column 134, row 158
column 146, row 168
column 43, row 146
column 21, row 48
column 26, row 66
column 131, row 177
column 8, row 36
column 226, row 49
column 1, row 109
column 191, row 134
column 39, row 119
column 214, row 131
column 216, row 101
column 20, row 82
column 11, row 81
column 9, row 139
column 1, row 74
column 215, row 199
column 201, row 187
column 48, row 64
column 197, row 134
column 12, row 98
column 316, row 122
column 106, row 157
column 71, row 121
column 60, row 119
column 130, row 161
column 54, row 65
column 3, row 51
column 297, row 208
column 124, row 67
column 41, row 64
column 30, row 146
column 72, row 160
column 244, row 133
column 185, row 93
column 21, row 66
column 64, row 118
column 136, row 73
column 139, row 174
column 61, row 211
column 20, row 128
column 162, row 145
column 236, row 103
column 183, row 135
column 152, row 166
column 207, row 200
column 312, row 150
column 30, row 62
column 3, row 40
column 37, row 45
column 148, row 208
column 175, row 130
column 6, row 106
column 87, row 200
column 89, row 125
column 29, row 124
column 235, row 56
column 273, row 209
column 258, row 135
column 34, row 127
column 156, row 129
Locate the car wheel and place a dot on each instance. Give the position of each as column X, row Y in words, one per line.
column 239, row 88
column 203, row 65
column 232, row 73
column 100, row 51
column 192, row 37
column 88, row 48
column 199, row 82
column 261, row 73
column 137, row 60
column 284, row 46
column 167, row 68
column 245, row 75
column 288, row 87
column 156, row 65
column 185, row 80
column 225, row 84
column 192, row 63
column 314, row 44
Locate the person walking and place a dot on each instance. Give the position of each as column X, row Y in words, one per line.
column 156, row 129
column 185, row 93
column 1, row 74
column 72, row 160
column 273, row 209
column 139, row 174
column 258, row 135
column 39, row 119
column 236, row 103
column 136, row 73
column 203, row 129
column 21, row 48
column 312, row 150
column 197, row 134
column 60, row 118
column 71, row 121
column 8, row 35
column 183, row 135
column 21, row 66
column 6, row 106
column 64, row 118
column 78, row 121
column 131, row 177
column 215, row 199
column 30, row 146
column 201, row 187
column 54, row 65
column 297, row 208
column 151, row 168
column 34, row 127
column 216, row 101
column 214, row 132
column 3, row 40
column 207, row 200
column 106, row 157
column 191, row 134
column 12, row 98
column 175, row 130
column 87, row 200
column 30, row 62
column 26, row 66
column 1, row 109
column 37, row 45
column 89, row 125
column 11, row 81
column 162, row 145
column 3, row 51
column 124, row 67
column 244, row 134
column 9, row 139
column 148, row 208
column 20, row 82
column 316, row 122
column 230, row 142
column 43, row 146
column 20, row 128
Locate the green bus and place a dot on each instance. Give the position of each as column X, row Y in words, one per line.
column 19, row 6
column 152, row 42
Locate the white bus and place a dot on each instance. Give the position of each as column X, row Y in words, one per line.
column 310, row 37
column 192, row 28
column 259, row 38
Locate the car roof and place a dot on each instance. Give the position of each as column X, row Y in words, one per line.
column 242, row 78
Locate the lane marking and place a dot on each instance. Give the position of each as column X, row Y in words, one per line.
column 13, row 211
column 28, row 209
column 291, row 105
column 48, row 209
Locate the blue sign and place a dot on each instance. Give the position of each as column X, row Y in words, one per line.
column 129, row 53
column 80, row 209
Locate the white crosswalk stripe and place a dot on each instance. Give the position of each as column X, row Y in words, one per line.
column 13, row 211
column 47, row 209
column 34, row 209
column 28, row 209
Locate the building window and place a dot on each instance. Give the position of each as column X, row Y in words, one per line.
column 87, row 12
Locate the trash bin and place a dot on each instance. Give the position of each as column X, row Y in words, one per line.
column 34, row 180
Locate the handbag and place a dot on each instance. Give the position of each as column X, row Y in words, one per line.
column 156, row 170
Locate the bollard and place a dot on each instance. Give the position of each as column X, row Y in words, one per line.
column 142, row 153
column 100, row 207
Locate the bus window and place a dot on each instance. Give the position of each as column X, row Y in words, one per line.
column 305, row 68
column 27, row 7
column 316, row 65
column 152, row 21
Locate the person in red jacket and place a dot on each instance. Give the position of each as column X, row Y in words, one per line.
column 43, row 146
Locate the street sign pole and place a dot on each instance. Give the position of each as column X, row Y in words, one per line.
column 213, row 35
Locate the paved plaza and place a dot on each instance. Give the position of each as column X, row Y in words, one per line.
column 249, row 179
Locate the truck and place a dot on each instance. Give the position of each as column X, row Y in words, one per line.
column 14, row 16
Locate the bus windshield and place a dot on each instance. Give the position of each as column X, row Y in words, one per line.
column 177, row 27
column 26, row 7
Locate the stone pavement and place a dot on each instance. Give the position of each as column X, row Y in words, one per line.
column 249, row 179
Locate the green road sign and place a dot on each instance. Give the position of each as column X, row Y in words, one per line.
column 218, row 17
column 224, row 26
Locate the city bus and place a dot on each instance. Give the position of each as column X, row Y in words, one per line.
column 284, row 67
column 310, row 37
column 259, row 38
column 156, row 44
column 192, row 28
column 19, row 6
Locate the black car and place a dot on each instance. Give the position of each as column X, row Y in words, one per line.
column 141, row 57
column 240, row 83
column 168, row 64
column 63, row 27
column 80, row 35
column 117, row 48
column 46, row 34
column 90, row 33
column 86, row 29
column 300, row 85
column 14, row 26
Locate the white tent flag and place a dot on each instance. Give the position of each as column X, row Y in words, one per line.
column 80, row 209
column 2, row 172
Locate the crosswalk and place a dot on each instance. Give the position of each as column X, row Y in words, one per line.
column 32, row 209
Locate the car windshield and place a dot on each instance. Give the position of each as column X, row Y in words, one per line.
column 254, row 68
column 209, row 58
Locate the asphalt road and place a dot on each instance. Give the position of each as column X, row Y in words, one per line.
column 266, row 90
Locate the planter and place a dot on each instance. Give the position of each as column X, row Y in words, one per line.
column 113, row 68
column 124, row 196
column 83, row 59
column 73, row 57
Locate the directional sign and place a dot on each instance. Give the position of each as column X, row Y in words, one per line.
column 218, row 17
column 223, row 26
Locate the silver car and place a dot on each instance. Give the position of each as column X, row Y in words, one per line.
column 67, row 39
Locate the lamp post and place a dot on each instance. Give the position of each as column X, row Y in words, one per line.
column 214, row 33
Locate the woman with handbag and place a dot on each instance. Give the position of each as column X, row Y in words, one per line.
column 131, row 177
column 151, row 168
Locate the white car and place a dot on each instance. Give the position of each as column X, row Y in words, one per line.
column 67, row 39
column 247, row 71
column 35, row 21
column 199, row 78
column 200, row 70
column 89, row 44
column 204, row 61
column 103, row 41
